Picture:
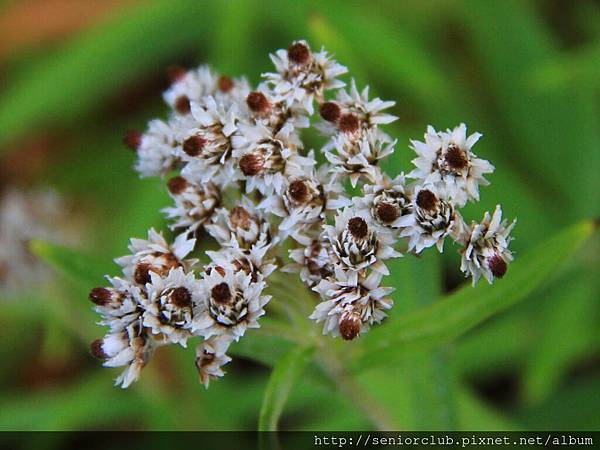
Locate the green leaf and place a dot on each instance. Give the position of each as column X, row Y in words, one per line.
column 468, row 307
column 80, row 267
column 284, row 375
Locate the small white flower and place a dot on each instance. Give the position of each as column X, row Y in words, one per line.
column 211, row 357
column 446, row 160
column 387, row 201
column 191, row 85
column 156, row 154
column 433, row 218
column 170, row 303
column 131, row 347
column 195, row 203
column 244, row 226
column 305, row 200
column 265, row 158
column 351, row 303
column 253, row 261
column 313, row 261
column 155, row 255
column 357, row 244
column 485, row 249
column 233, row 303
column 354, row 105
column 302, row 75
column 206, row 143
column 119, row 300
column 357, row 155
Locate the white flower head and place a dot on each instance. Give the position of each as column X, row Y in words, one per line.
column 303, row 75
column 253, row 261
column 354, row 107
column 313, row 261
column 156, row 154
column 195, row 203
column 121, row 299
column 486, row 249
column 170, row 304
column 233, row 303
column 155, row 255
column 387, row 201
column 211, row 357
column 446, row 160
column 206, row 143
column 131, row 347
column 433, row 218
column 357, row 244
column 351, row 303
column 306, row 198
column 358, row 155
column 243, row 226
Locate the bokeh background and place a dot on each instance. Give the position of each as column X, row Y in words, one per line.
column 75, row 74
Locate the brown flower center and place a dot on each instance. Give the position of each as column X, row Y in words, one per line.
column 175, row 73
column 298, row 191
column 221, row 293
column 348, row 123
column 426, row 199
column 350, row 325
column 497, row 266
column 177, row 185
column 251, row 164
column 456, row 158
column 132, row 139
column 142, row 274
column 181, row 297
column 193, row 145
column 257, row 102
column 96, row 350
column 299, row 53
column 100, row 296
column 182, row 105
column 330, row 111
column 240, row 218
column 358, row 227
column 225, row 83
column 387, row 213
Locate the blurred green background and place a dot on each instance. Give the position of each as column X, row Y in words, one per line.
column 76, row 74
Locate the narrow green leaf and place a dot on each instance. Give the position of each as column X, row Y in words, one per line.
column 284, row 375
column 81, row 267
column 467, row 307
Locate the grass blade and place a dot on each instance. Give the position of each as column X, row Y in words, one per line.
column 284, row 375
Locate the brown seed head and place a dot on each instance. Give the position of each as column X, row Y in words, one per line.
column 225, row 83
column 100, row 296
column 193, row 145
column 182, row 105
column 497, row 266
column 298, row 191
column 299, row 53
column 175, row 73
column 181, row 297
column 426, row 199
column 386, row 212
column 350, row 325
column 330, row 111
column 349, row 123
column 456, row 158
column 240, row 218
column 251, row 164
column 358, row 227
column 142, row 274
column 177, row 185
column 257, row 102
column 221, row 293
column 96, row 350
column 132, row 139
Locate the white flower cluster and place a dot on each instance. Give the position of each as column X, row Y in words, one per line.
column 240, row 173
